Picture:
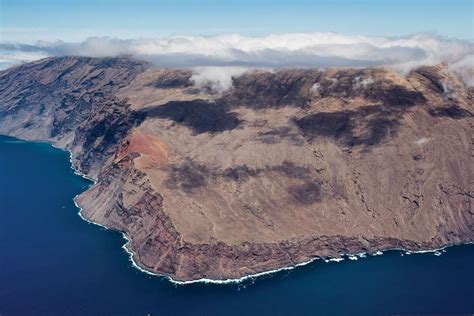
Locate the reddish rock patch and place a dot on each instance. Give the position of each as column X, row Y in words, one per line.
column 152, row 151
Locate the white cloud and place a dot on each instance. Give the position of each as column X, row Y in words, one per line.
column 219, row 78
column 278, row 50
column 315, row 87
column 364, row 83
column 465, row 67
column 8, row 58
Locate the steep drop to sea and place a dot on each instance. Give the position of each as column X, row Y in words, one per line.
column 286, row 166
column 53, row 262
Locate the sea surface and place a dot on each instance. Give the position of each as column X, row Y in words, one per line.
column 52, row 262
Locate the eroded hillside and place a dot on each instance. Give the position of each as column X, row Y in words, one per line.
column 283, row 167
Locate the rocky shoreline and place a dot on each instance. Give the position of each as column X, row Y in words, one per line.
column 272, row 175
column 339, row 258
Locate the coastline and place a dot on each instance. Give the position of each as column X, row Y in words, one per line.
column 343, row 257
column 131, row 253
column 271, row 272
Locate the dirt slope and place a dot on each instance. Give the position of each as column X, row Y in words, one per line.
column 285, row 166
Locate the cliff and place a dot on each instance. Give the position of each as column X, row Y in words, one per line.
column 285, row 166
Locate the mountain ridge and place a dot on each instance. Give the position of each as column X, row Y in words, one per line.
column 285, row 166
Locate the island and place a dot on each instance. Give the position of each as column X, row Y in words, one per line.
column 282, row 167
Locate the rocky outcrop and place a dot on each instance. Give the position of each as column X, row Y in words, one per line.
column 70, row 101
column 284, row 167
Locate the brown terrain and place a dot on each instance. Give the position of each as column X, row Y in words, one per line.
column 284, row 167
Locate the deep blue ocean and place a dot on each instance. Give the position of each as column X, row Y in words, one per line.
column 54, row 263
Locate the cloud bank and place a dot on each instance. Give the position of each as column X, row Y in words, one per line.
column 219, row 78
column 314, row 50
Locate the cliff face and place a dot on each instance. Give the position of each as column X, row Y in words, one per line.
column 71, row 102
column 285, row 166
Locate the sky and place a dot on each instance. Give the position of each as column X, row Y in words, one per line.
column 401, row 34
column 28, row 21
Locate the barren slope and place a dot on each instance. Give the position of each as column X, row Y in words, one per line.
column 286, row 166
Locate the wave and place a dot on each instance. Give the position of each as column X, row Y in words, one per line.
column 340, row 258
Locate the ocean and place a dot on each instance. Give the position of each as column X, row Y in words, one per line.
column 52, row 262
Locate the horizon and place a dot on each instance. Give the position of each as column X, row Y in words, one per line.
column 187, row 34
column 188, row 157
column 27, row 21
